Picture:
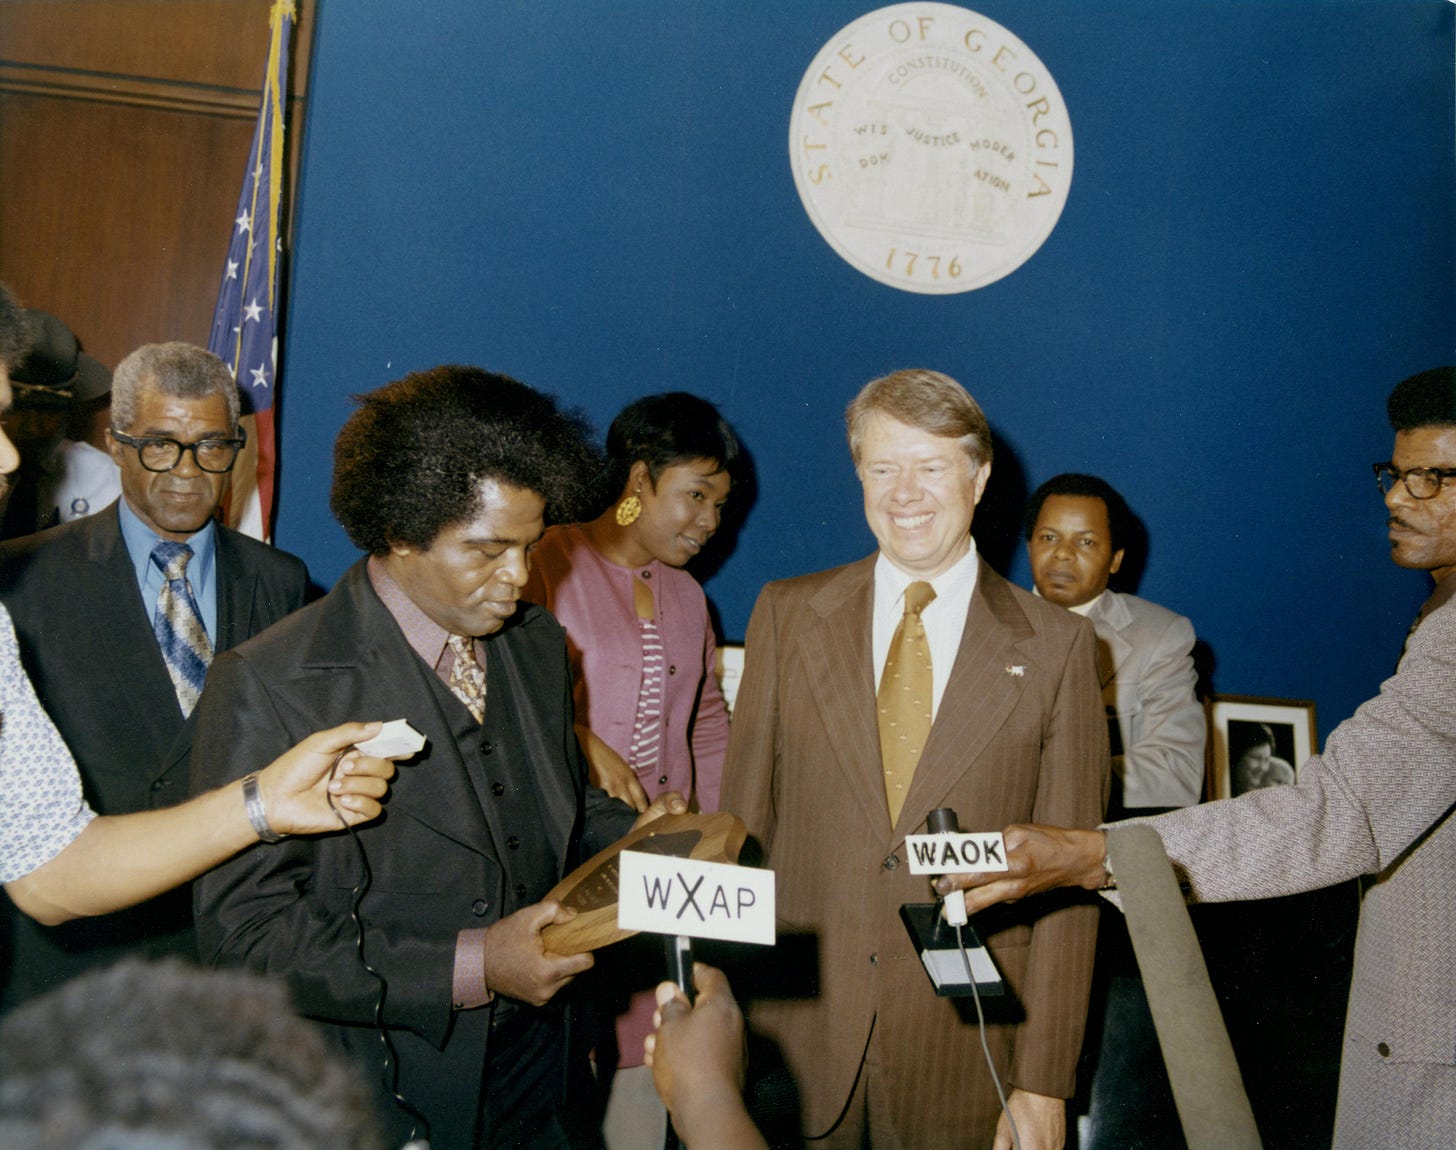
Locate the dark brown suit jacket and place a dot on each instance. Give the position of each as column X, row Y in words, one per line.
column 1019, row 737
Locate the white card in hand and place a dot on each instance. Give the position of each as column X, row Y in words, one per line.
column 398, row 740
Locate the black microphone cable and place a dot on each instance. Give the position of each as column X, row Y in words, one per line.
column 943, row 820
column 389, row 1069
column 985, row 1048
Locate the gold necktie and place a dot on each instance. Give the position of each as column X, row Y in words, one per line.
column 905, row 698
column 467, row 676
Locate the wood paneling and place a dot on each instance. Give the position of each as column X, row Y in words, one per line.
column 125, row 126
column 211, row 43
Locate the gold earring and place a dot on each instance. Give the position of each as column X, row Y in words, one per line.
column 628, row 511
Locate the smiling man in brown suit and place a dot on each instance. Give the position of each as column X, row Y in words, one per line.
column 1015, row 723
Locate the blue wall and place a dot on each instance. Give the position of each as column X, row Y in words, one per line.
column 597, row 199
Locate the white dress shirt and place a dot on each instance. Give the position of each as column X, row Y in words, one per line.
column 944, row 617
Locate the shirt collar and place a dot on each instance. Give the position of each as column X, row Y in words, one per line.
column 1442, row 594
column 959, row 576
column 141, row 539
column 426, row 637
column 1083, row 609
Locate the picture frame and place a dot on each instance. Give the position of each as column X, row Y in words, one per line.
column 729, row 670
column 1241, row 756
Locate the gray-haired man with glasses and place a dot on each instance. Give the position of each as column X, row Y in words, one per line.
column 120, row 614
column 157, row 453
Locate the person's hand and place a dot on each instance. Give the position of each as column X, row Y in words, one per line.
column 517, row 963
column 698, row 1046
column 296, row 787
column 667, row 803
column 609, row 771
column 1038, row 858
column 697, row 1060
column 1041, row 1122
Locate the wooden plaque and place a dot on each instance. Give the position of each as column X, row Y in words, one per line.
column 591, row 889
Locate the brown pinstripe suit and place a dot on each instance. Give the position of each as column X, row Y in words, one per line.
column 804, row 772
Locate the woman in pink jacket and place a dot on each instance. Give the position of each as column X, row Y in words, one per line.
column 649, row 711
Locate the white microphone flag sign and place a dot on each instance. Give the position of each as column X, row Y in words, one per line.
column 666, row 895
column 396, row 739
column 960, row 853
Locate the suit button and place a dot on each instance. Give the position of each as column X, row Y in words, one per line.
column 497, row 789
column 158, row 784
column 485, row 747
column 479, row 907
column 1383, row 1049
column 520, row 892
column 662, row 780
column 672, row 669
column 892, row 862
column 514, row 843
column 874, row 958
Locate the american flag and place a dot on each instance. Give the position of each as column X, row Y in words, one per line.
column 245, row 323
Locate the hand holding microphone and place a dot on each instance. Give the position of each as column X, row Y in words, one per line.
column 943, row 821
column 954, row 957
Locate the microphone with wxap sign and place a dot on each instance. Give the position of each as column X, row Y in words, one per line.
column 688, row 898
column 951, row 951
column 665, row 878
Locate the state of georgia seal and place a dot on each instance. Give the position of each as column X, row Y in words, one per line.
column 931, row 148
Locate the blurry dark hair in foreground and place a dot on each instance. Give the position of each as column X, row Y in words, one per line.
column 166, row 1056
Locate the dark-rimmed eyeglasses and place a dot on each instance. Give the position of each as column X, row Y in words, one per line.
column 1421, row 482
column 158, row 453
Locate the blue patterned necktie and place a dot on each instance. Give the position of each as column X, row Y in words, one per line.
column 178, row 625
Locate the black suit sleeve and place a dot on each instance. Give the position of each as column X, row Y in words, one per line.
column 286, row 908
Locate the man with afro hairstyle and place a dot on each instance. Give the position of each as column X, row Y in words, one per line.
column 446, row 479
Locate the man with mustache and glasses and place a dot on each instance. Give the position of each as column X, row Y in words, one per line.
column 1379, row 803
column 445, row 479
column 118, row 616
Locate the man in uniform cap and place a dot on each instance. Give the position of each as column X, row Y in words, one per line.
column 81, row 478
column 41, row 386
column 62, row 405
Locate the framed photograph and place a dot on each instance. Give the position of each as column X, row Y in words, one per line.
column 730, row 670
column 1254, row 742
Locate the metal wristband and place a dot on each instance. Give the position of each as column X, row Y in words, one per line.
column 1109, row 880
column 253, row 803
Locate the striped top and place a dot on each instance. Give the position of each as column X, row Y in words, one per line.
column 645, row 750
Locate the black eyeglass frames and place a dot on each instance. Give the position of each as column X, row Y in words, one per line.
column 159, row 453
